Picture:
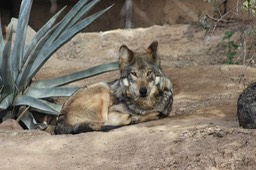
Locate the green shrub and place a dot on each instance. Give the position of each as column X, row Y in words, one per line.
column 230, row 47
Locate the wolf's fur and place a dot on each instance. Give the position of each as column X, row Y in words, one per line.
column 142, row 93
column 246, row 107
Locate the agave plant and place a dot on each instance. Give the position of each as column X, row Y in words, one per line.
column 20, row 95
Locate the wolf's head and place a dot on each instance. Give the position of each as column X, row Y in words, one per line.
column 141, row 78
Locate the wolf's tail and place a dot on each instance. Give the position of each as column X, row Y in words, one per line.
column 63, row 128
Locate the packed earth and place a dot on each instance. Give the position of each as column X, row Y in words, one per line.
column 202, row 131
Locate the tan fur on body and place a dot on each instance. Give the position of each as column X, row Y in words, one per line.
column 142, row 93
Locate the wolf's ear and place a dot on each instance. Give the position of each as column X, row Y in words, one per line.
column 152, row 50
column 125, row 57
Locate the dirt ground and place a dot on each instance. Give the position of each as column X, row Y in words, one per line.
column 201, row 133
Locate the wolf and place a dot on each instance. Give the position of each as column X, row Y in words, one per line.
column 246, row 107
column 141, row 93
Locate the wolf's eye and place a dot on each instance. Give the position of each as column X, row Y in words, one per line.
column 133, row 73
column 149, row 73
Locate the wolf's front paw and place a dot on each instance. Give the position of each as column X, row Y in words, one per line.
column 95, row 125
column 135, row 119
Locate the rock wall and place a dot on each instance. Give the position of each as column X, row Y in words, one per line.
column 136, row 13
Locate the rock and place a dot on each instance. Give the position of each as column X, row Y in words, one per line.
column 10, row 124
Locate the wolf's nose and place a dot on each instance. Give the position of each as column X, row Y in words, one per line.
column 143, row 91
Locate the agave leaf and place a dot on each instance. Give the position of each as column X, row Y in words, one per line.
column 45, row 54
column 85, row 10
column 56, row 107
column 6, row 102
column 77, row 76
column 79, row 26
column 19, row 43
column 29, row 120
column 23, row 77
column 66, row 20
column 50, row 92
column 67, row 35
column 35, row 104
column 6, row 69
column 39, row 35
column 1, row 55
column 1, row 84
column 1, row 44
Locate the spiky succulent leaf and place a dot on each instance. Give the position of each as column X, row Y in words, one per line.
column 29, row 120
column 37, row 43
column 6, row 102
column 19, row 43
column 41, row 33
column 62, row 38
column 56, row 107
column 34, row 104
column 23, row 79
column 1, row 46
column 50, row 92
column 34, row 48
column 77, row 76
column 6, row 69
column 79, row 14
column 71, row 15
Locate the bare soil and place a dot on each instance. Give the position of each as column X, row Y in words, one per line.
column 201, row 133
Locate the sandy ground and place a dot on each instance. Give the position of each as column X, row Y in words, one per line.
column 201, row 133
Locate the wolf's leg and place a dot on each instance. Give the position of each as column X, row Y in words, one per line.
column 145, row 117
column 121, row 119
column 165, row 100
column 164, row 104
column 118, row 119
column 120, row 115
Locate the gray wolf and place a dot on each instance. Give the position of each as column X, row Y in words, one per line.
column 142, row 93
column 246, row 107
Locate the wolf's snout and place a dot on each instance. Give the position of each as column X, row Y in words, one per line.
column 143, row 92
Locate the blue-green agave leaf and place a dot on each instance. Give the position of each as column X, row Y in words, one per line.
column 35, row 104
column 6, row 102
column 1, row 53
column 29, row 120
column 65, row 21
column 6, row 70
column 1, row 43
column 20, row 38
column 56, row 107
column 79, row 15
column 68, row 34
column 23, row 78
column 45, row 54
column 77, row 76
column 50, row 92
column 39, row 35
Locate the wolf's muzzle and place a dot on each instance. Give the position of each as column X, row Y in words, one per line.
column 143, row 92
